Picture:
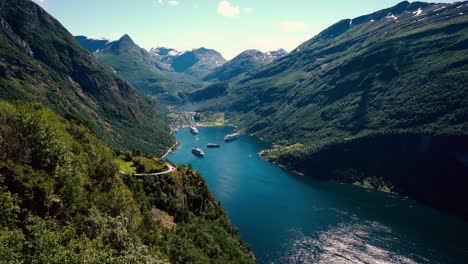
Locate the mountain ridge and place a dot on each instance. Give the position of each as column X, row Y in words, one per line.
column 162, row 74
column 399, row 71
column 41, row 61
column 245, row 62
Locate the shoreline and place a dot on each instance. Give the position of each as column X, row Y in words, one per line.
column 171, row 150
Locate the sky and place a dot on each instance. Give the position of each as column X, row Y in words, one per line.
column 229, row 26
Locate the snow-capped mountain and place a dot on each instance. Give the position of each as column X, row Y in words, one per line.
column 93, row 44
column 196, row 62
column 247, row 61
column 277, row 53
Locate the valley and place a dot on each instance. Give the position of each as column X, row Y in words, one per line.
column 352, row 146
column 291, row 218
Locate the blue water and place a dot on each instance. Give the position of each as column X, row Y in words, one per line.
column 287, row 218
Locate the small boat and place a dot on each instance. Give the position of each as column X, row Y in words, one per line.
column 193, row 130
column 213, row 145
column 198, row 152
column 231, row 137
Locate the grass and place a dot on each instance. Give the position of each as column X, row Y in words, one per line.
column 139, row 165
column 217, row 119
column 172, row 115
column 147, row 165
column 125, row 166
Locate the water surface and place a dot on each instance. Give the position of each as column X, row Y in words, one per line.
column 287, row 218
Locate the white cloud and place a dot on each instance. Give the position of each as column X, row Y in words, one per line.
column 227, row 9
column 292, row 26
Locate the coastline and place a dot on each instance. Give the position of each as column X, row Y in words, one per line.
column 172, row 149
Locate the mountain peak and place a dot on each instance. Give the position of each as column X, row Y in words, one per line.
column 164, row 51
column 277, row 53
column 126, row 38
column 125, row 43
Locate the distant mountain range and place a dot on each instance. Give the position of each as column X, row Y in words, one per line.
column 166, row 72
column 197, row 62
column 395, row 78
column 161, row 71
column 93, row 44
column 245, row 62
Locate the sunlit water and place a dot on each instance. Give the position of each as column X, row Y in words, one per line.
column 288, row 218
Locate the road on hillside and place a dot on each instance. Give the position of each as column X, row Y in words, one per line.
column 170, row 169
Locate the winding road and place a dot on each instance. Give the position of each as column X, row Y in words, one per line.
column 169, row 170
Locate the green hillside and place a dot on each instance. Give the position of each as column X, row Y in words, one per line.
column 372, row 73
column 245, row 62
column 361, row 77
column 399, row 71
column 40, row 61
column 145, row 72
column 62, row 200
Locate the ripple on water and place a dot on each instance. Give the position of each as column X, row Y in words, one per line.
column 364, row 242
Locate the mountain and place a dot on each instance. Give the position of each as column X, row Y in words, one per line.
column 40, row 61
column 136, row 65
column 277, row 53
column 247, row 61
column 162, row 51
column 153, row 72
column 164, row 54
column 163, row 72
column 197, row 62
column 93, row 44
column 63, row 200
column 394, row 80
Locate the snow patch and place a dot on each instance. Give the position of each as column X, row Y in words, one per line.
column 438, row 9
column 97, row 38
column 417, row 12
column 391, row 16
column 173, row 53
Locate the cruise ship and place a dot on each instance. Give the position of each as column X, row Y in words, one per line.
column 231, row 137
column 198, row 152
column 194, row 130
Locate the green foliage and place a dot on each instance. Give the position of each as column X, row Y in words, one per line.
column 62, row 200
column 374, row 75
column 362, row 83
column 245, row 62
column 148, row 165
column 41, row 62
column 142, row 70
column 204, row 233
column 358, row 78
column 11, row 245
column 126, row 166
